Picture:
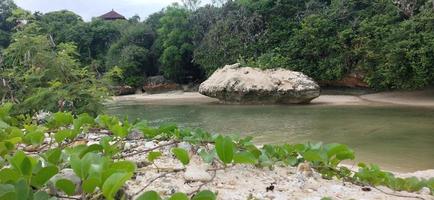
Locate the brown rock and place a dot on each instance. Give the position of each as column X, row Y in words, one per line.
column 158, row 84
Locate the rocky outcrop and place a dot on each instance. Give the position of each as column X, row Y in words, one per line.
column 159, row 84
column 235, row 84
column 123, row 90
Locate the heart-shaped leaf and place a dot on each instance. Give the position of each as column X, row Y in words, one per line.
column 182, row 155
column 150, row 195
column 225, row 149
column 66, row 186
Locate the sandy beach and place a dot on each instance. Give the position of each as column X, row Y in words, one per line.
column 240, row 182
column 423, row 98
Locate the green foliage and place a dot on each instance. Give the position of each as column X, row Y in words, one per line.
column 42, row 77
column 153, row 155
column 225, row 149
column 60, row 25
column 181, row 155
column 179, row 196
column 150, row 195
column 373, row 175
column 235, row 34
column 66, row 186
column 113, row 124
column 7, row 8
column 245, row 158
column 113, row 183
column 326, row 40
column 131, row 55
column 174, row 41
column 204, row 195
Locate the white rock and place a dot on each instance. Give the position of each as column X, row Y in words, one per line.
column 425, row 191
column 238, row 84
column 149, row 145
column 185, row 145
column 196, row 173
column 127, row 146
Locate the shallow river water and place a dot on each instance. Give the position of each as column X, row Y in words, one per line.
column 397, row 138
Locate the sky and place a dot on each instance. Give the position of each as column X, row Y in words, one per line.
column 93, row 8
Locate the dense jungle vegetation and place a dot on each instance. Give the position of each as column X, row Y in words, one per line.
column 59, row 61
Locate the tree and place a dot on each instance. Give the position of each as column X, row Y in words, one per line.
column 6, row 11
column 175, row 44
column 42, row 76
column 134, row 19
column 191, row 4
column 132, row 55
column 234, row 35
column 103, row 34
column 59, row 24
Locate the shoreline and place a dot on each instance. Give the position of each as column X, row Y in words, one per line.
column 243, row 181
column 415, row 98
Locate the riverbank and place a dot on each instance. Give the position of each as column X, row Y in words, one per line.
column 239, row 182
column 423, row 98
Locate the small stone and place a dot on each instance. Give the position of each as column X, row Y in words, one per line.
column 305, row 169
column 270, row 196
column 425, row 191
column 149, row 145
column 232, row 182
column 309, row 190
column 196, row 173
column 336, row 189
column 30, row 148
column 135, row 135
column 171, row 190
column 185, row 145
column 127, row 146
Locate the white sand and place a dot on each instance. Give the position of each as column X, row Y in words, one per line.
column 410, row 98
column 418, row 98
column 241, row 182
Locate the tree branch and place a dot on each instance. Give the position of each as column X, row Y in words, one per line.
column 149, row 150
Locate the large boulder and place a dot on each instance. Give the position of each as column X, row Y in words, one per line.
column 235, row 84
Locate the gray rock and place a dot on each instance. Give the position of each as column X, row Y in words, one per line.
column 64, row 174
column 424, row 191
column 235, row 84
column 149, row 145
column 185, row 145
column 122, row 90
column 135, row 135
